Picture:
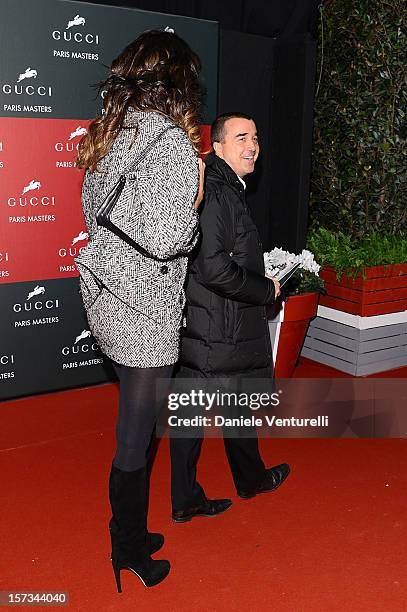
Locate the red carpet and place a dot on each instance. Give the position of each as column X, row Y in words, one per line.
column 332, row 538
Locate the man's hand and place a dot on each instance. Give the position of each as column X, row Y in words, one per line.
column 277, row 289
column 200, row 194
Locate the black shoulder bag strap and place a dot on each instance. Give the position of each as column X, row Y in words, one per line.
column 110, row 201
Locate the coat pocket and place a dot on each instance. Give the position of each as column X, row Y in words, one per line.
column 90, row 287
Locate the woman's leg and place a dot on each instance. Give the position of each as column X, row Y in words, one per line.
column 138, row 411
column 128, row 479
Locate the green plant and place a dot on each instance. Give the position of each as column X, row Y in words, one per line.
column 303, row 282
column 359, row 165
column 347, row 254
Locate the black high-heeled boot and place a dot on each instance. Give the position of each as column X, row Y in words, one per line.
column 128, row 499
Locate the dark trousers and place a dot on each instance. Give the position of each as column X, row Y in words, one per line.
column 244, row 460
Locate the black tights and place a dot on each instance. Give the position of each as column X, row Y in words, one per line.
column 138, row 411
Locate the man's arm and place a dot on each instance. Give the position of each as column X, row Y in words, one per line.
column 216, row 268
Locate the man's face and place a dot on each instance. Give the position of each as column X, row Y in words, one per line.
column 240, row 148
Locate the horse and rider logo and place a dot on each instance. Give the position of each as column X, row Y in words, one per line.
column 29, row 73
column 38, row 290
column 81, row 236
column 32, row 185
column 84, row 334
column 76, row 21
column 79, row 131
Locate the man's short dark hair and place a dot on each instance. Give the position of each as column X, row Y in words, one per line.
column 218, row 126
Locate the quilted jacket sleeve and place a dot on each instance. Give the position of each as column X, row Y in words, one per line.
column 217, row 270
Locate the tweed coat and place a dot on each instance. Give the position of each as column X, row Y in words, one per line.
column 134, row 304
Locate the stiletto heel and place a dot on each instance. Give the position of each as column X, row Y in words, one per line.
column 116, row 569
column 150, row 573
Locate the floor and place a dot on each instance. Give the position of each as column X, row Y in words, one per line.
column 332, row 538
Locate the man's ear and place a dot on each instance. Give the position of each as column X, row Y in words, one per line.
column 217, row 147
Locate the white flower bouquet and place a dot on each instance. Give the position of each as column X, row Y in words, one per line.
column 304, row 280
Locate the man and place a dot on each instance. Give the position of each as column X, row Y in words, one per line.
column 226, row 333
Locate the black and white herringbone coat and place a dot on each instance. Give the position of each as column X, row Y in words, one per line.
column 134, row 303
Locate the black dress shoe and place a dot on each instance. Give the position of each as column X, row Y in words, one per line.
column 274, row 477
column 210, row 507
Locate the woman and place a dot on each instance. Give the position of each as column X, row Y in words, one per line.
column 134, row 301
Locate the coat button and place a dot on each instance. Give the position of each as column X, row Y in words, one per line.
column 164, row 269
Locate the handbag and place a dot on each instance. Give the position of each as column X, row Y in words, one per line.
column 103, row 215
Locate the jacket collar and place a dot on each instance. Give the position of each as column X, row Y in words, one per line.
column 133, row 117
column 219, row 167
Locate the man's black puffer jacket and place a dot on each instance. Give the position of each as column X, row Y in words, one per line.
column 227, row 331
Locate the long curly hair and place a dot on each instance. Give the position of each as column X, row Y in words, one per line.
column 156, row 72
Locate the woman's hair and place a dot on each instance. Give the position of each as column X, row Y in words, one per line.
column 157, row 72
